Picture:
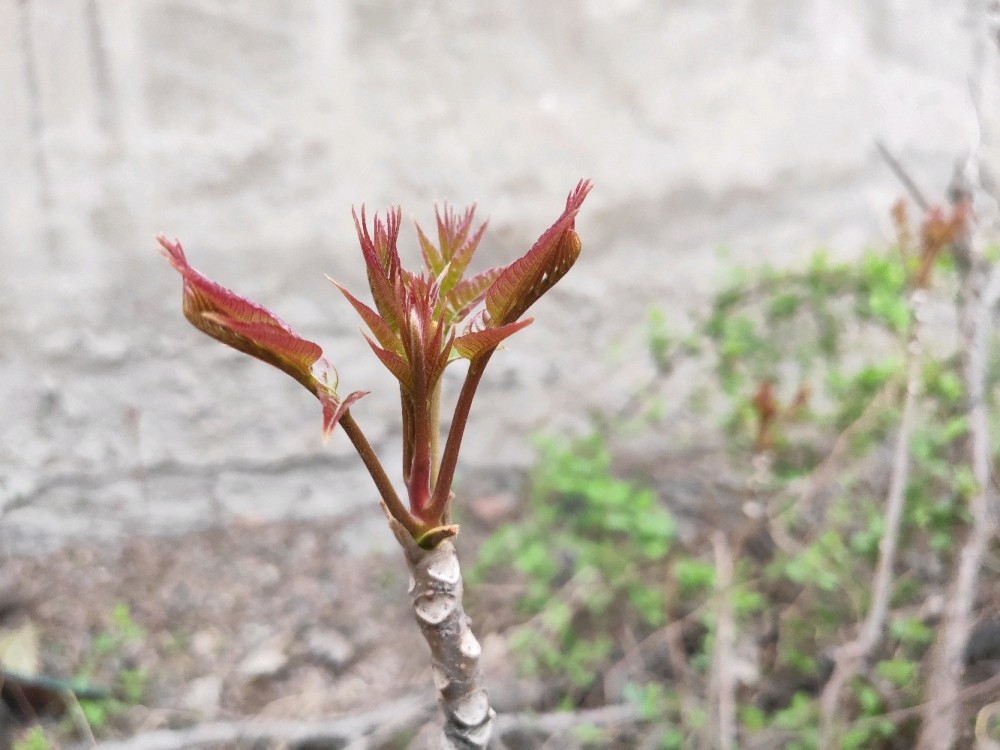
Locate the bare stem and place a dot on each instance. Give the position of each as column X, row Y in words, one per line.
column 449, row 459
column 435, row 432
column 903, row 176
column 941, row 717
column 436, row 594
column 385, row 489
column 723, row 680
column 940, row 727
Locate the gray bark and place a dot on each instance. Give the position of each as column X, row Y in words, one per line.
column 436, row 594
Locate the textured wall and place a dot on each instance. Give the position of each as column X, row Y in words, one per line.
column 249, row 129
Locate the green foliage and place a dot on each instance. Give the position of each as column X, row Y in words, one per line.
column 110, row 654
column 775, row 329
column 752, row 718
column 650, row 700
column 810, row 371
column 591, row 735
column 912, row 632
column 823, row 563
column 900, row 672
column 672, row 738
column 882, row 290
column 658, row 339
column 801, row 716
column 747, row 601
column 34, row 739
column 124, row 631
column 581, row 549
column 865, row 734
column 694, row 576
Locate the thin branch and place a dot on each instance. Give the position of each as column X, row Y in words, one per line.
column 449, row 459
column 670, row 637
column 939, row 729
column 940, row 726
column 849, row 657
column 359, row 731
column 903, row 176
column 830, row 468
column 723, row 680
column 407, row 712
column 382, row 482
column 989, row 686
column 561, row 722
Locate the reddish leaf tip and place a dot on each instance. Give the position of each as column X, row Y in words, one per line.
column 173, row 252
column 525, row 280
column 334, row 410
column 477, row 343
column 240, row 323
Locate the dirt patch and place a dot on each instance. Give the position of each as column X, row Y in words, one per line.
column 271, row 621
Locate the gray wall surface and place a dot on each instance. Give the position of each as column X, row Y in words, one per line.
column 250, row 129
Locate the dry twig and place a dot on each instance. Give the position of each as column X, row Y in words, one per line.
column 939, row 729
column 363, row 731
column 722, row 731
column 849, row 657
column 940, row 725
column 903, row 176
column 349, row 730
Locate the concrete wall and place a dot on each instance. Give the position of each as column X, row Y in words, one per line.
column 249, row 129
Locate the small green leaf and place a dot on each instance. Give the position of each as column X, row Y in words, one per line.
column 869, row 700
column 752, row 718
column 694, row 575
column 784, row 306
column 900, row 672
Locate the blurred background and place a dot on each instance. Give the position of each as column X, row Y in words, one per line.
column 714, row 134
column 171, row 523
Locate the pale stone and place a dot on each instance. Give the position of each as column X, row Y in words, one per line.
column 330, row 647
column 203, row 696
column 264, row 661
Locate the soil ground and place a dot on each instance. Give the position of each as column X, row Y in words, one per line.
column 264, row 621
column 267, row 621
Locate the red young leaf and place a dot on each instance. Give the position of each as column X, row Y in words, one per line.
column 432, row 256
column 457, row 246
column 255, row 330
column 242, row 324
column 448, row 261
column 381, row 330
column 444, row 357
column 452, row 229
column 471, row 345
column 333, row 409
column 525, row 280
column 469, row 293
column 393, row 362
column 382, row 261
column 381, row 247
